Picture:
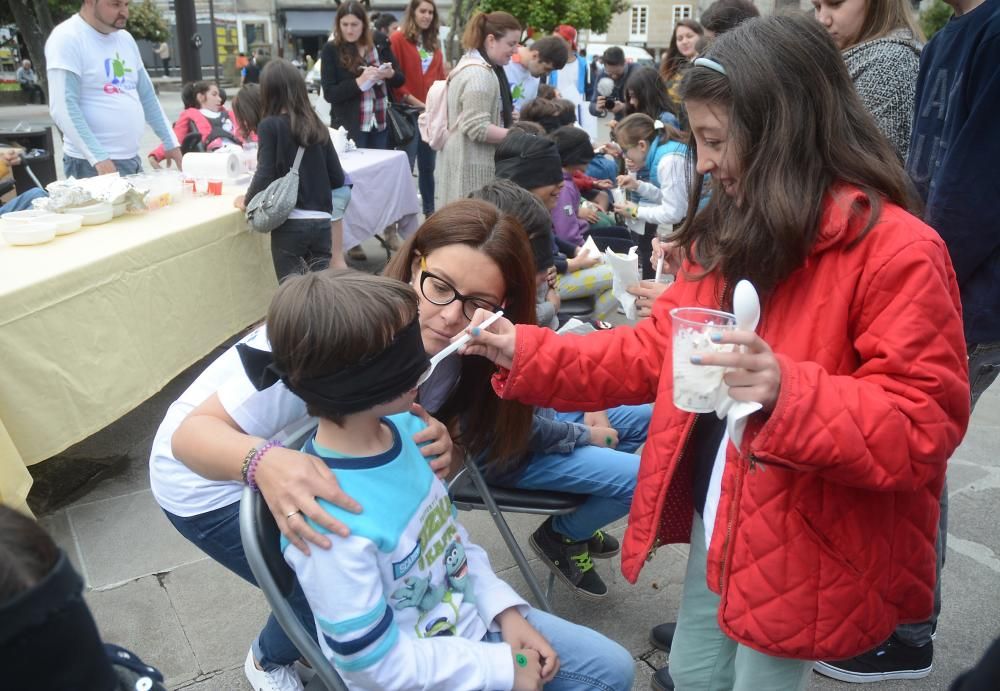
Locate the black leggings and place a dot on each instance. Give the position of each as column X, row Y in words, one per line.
column 299, row 245
column 645, row 244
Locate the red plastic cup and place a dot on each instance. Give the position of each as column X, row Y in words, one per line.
column 215, row 188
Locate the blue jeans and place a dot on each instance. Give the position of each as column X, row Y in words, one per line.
column 420, row 151
column 80, row 168
column 984, row 366
column 217, row 534
column 23, row 201
column 587, row 659
column 607, row 475
column 375, row 139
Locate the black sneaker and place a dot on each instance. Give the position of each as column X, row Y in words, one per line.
column 662, row 636
column 569, row 561
column 602, row 545
column 891, row 660
column 662, row 681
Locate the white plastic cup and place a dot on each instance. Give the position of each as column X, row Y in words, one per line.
column 696, row 386
column 618, row 195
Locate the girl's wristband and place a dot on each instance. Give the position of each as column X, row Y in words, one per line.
column 251, row 473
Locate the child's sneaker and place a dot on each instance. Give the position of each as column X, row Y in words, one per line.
column 279, row 679
column 569, row 561
column 603, row 545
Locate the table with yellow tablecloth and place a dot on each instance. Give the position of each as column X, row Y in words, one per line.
column 94, row 323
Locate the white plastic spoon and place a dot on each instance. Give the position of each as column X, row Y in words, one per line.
column 455, row 345
column 659, row 268
column 746, row 306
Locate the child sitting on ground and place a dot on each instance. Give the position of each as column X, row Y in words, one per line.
column 406, row 600
column 569, row 222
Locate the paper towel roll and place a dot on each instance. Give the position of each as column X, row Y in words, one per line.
column 217, row 166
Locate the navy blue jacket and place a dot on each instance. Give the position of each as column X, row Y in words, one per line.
column 955, row 157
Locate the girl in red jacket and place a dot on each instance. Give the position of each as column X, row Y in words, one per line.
column 826, row 514
column 418, row 48
column 204, row 116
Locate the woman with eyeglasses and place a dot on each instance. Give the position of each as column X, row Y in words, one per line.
column 465, row 257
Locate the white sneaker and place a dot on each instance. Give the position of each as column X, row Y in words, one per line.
column 280, row 679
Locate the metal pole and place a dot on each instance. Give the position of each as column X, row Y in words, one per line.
column 187, row 47
column 215, row 40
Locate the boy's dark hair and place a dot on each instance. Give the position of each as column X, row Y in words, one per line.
column 546, row 91
column 528, row 127
column 565, row 111
column 512, row 199
column 575, row 147
column 384, row 21
column 614, row 56
column 725, row 15
column 543, row 111
column 552, row 50
column 324, row 321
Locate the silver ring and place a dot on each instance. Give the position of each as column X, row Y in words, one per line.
column 287, row 516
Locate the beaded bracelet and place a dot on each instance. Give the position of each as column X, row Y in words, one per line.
column 251, row 454
column 252, row 469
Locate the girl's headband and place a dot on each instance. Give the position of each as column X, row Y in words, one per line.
column 710, row 64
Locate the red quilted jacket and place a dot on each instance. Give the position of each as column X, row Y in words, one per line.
column 824, row 538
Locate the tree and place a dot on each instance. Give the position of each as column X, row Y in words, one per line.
column 934, row 18
column 146, row 21
column 35, row 20
column 545, row 15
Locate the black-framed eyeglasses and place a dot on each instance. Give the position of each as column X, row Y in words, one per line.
column 440, row 292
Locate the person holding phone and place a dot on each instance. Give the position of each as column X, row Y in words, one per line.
column 356, row 75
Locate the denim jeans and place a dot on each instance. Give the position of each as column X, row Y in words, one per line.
column 608, row 476
column 702, row 658
column 420, row 151
column 301, row 244
column 587, row 659
column 217, row 534
column 80, row 168
column 984, row 366
column 23, row 200
column 375, row 139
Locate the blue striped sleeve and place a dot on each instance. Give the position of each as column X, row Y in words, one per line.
column 378, row 636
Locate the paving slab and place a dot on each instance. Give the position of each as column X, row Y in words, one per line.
column 127, row 537
column 140, row 617
column 58, row 527
column 220, row 613
column 225, row 680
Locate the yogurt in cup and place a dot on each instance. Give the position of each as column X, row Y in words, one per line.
column 696, row 387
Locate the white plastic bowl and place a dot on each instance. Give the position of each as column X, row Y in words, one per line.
column 94, row 213
column 118, row 210
column 65, row 223
column 28, row 233
column 24, row 215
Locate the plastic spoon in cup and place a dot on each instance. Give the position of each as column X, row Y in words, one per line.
column 455, row 345
column 659, row 268
column 746, row 306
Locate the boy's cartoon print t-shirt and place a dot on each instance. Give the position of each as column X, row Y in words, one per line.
column 523, row 87
column 407, row 581
column 108, row 66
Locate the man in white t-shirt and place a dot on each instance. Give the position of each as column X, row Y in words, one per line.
column 100, row 95
column 530, row 63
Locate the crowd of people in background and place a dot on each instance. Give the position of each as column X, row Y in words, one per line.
column 860, row 206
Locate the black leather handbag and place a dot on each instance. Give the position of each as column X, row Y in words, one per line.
column 402, row 123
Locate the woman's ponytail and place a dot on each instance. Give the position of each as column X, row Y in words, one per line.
column 483, row 24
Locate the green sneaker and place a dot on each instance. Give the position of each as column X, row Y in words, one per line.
column 569, row 561
column 603, row 545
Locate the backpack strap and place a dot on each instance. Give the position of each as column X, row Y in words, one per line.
column 458, row 68
column 298, row 159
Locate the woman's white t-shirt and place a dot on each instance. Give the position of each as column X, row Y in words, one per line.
column 274, row 413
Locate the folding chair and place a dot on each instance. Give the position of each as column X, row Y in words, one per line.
column 261, row 543
column 470, row 490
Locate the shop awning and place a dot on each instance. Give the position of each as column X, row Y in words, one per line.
column 309, row 22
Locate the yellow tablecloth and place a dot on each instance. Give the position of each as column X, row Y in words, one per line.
column 94, row 323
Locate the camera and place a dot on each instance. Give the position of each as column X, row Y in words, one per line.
column 609, row 102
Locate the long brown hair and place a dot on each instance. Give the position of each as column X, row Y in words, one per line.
column 497, row 429
column 673, row 60
column 350, row 57
column 485, row 24
column 283, row 92
column 247, row 109
column 792, row 143
column 885, row 16
column 429, row 37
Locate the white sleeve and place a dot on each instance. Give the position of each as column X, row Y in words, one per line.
column 672, row 205
column 493, row 595
column 358, row 634
column 64, row 107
